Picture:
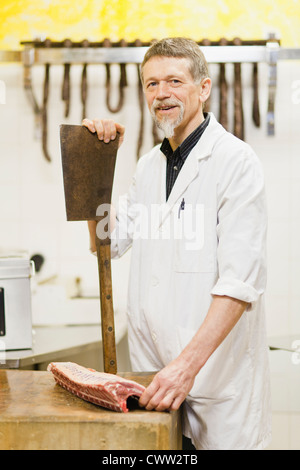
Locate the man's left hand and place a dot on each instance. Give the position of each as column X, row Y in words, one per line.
column 168, row 388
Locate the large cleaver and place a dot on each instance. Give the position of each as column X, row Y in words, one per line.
column 88, row 170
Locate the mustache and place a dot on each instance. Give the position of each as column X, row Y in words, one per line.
column 165, row 103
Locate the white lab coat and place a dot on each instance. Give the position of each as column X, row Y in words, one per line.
column 180, row 257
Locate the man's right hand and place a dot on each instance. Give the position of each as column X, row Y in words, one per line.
column 106, row 129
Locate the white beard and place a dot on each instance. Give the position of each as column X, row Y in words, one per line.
column 166, row 124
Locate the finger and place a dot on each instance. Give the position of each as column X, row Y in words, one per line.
column 109, row 130
column 121, row 131
column 154, row 402
column 160, row 400
column 169, row 402
column 148, row 394
column 120, row 128
column 89, row 124
column 99, row 128
column 165, row 403
column 176, row 403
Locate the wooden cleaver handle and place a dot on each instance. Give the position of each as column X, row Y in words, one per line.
column 107, row 311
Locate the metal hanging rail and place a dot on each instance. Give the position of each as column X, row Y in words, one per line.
column 10, row 56
column 97, row 55
column 54, row 53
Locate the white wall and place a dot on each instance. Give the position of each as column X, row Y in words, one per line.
column 32, row 210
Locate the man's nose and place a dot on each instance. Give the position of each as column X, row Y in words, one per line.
column 163, row 90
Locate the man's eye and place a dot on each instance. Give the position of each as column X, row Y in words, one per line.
column 175, row 82
column 151, row 84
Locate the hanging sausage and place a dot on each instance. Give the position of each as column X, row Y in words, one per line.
column 255, row 106
column 238, row 98
column 141, row 102
column 44, row 107
column 122, row 81
column 223, row 91
column 66, row 81
column 83, row 88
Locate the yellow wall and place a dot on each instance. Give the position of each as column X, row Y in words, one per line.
column 147, row 19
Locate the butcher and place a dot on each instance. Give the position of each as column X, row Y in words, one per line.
column 195, row 220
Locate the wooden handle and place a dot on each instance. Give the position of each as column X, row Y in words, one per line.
column 107, row 311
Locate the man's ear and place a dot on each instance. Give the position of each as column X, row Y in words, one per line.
column 205, row 89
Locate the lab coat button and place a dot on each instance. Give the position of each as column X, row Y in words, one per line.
column 154, row 281
column 153, row 336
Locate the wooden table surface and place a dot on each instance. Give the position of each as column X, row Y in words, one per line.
column 36, row 413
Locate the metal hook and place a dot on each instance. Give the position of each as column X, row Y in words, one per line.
column 28, row 61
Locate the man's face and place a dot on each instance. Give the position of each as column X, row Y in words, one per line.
column 173, row 97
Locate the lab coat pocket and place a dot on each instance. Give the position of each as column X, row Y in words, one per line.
column 194, row 240
column 216, row 378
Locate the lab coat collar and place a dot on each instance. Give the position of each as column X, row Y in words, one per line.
column 190, row 169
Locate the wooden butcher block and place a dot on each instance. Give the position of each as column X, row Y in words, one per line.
column 36, row 414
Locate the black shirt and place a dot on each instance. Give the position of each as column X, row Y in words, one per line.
column 176, row 159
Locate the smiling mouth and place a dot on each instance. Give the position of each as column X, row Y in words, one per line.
column 165, row 108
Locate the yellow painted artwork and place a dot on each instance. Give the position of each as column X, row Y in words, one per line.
column 148, row 19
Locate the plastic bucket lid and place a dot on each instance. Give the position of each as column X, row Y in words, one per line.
column 14, row 267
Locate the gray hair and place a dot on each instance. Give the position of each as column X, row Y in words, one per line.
column 182, row 48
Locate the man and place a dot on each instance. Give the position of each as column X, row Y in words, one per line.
column 195, row 308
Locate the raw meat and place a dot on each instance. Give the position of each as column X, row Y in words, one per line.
column 100, row 388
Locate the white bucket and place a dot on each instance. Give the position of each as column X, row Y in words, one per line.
column 15, row 303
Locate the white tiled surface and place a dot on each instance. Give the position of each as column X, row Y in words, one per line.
column 285, row 386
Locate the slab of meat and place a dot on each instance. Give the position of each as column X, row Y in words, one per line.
column 100, row 388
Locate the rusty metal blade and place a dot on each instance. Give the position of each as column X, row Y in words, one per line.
column 88, row 171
